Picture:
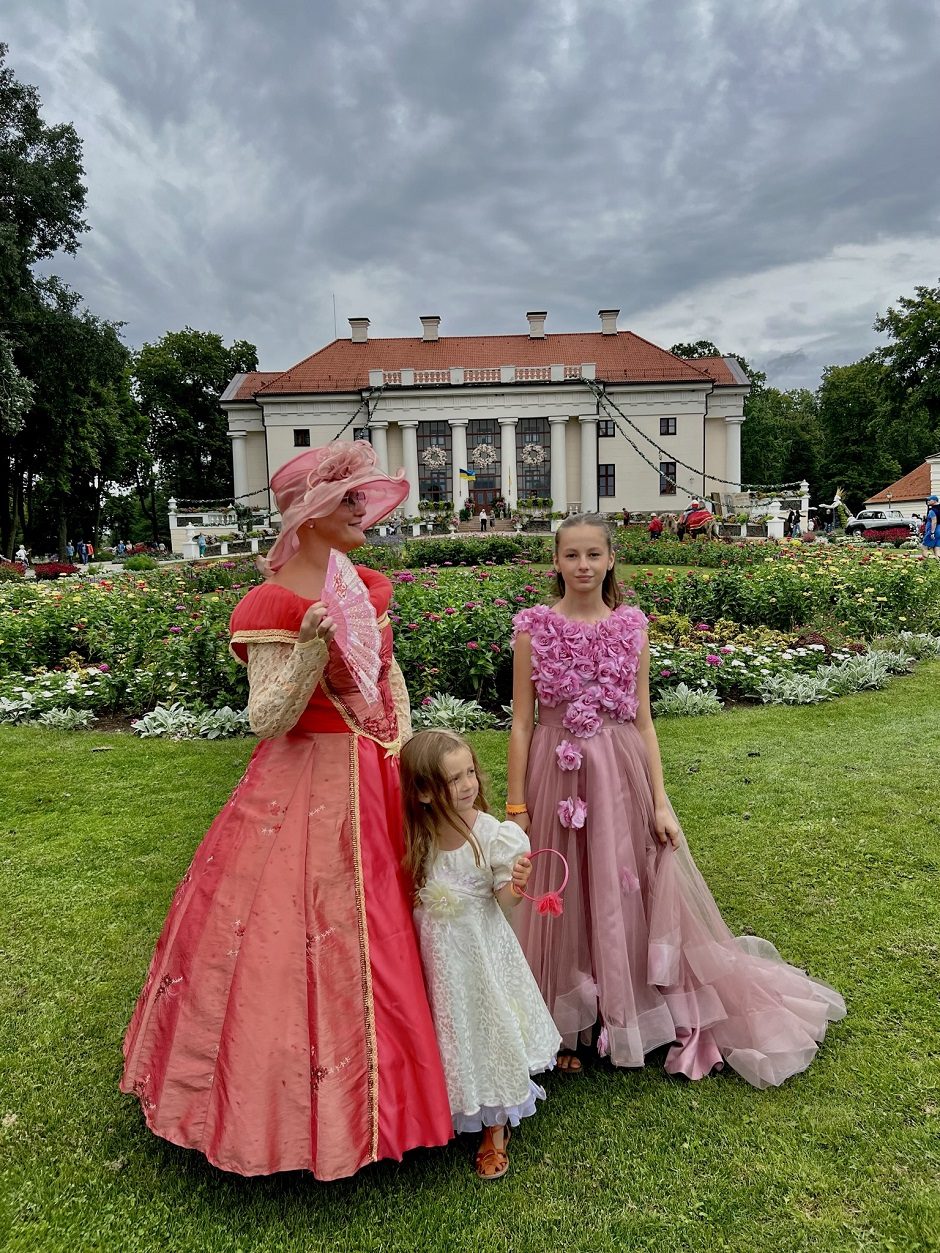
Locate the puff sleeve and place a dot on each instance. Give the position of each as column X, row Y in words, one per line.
column 508, row 844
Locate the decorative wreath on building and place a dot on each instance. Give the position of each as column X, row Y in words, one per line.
column 435, row 457
column 533, row 455
column 484, row 455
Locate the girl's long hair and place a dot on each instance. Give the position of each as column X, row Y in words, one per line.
column 422, row 773
column 611, row 587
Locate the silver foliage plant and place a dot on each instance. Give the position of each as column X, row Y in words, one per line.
column 687, row 702
column 176, row 722
column 452, row 714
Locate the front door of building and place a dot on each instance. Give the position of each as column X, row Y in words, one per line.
column 482, row 498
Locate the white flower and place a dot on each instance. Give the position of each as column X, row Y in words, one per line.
column 439, row 900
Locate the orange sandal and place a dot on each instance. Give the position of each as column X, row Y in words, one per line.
column 492, row 1162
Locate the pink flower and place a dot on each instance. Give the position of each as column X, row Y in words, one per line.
column 472, row 644
column 412, row 626
column 603, row 1043
column 702, row 626
column 628, row 880
column 569, row 757
column 176, row 630
column 495, row 648
column 572, row 813
column 726, row 649
column 104, row 667
column 405, row 577
column 427, row 701
column 450, row 610
column 665, row 674
column 499, row 601
column 713, row 659
column 581, row 720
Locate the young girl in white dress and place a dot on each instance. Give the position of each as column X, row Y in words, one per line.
column 493, row 1028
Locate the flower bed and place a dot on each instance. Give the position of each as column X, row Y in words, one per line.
column 127, row 645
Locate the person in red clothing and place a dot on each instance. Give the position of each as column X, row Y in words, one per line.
column 655, row 526
column 284, row 1023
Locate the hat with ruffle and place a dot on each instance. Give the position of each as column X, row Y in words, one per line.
column 314, row 483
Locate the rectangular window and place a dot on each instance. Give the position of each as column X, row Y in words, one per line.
column 667, row 426
column 606, row 428
column 606, row 480
column 301, row 439
column 362, row 432
column 667, row 478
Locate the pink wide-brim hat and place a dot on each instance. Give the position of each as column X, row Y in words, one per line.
column 312, row 485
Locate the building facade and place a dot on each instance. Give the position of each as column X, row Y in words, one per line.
column 524, row 415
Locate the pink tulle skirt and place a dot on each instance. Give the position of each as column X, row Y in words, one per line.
column 641, row 950
column 284, row 1024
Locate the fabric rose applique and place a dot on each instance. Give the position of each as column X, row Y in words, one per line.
column 439, row 900
column 572, row 813
column 569, row 757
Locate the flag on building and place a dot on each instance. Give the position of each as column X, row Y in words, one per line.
column 467, row 476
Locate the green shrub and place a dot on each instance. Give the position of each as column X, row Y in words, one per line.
column 141, row 562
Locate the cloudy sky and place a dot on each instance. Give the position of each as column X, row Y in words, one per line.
column 762, row 173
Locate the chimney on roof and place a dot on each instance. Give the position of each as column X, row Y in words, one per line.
column 537, row 324
column 431, row 327
column 608, row 319
column 360, row 329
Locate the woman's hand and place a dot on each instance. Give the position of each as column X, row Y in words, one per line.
column 665, row 825
column 317, row 624
column 520, row 875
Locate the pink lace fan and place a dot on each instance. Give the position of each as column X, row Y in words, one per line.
column 346, row 599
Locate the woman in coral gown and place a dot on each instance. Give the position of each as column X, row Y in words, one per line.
column 284, row 1023
column 641, row 956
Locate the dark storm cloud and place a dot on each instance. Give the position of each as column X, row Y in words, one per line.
column 476, row 158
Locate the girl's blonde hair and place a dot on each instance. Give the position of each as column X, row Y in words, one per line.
column 611, row 587
column 422, row 773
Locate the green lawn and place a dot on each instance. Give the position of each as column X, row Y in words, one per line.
column 815, row 827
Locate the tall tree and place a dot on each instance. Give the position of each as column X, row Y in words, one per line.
column 41, row 191
column 856, row 419
column 701, row 348
column 912, row 361
column 178, row 381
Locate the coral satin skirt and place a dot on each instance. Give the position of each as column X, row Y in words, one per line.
column 284, row 1023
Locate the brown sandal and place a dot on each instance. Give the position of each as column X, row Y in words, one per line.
column 492, row 1162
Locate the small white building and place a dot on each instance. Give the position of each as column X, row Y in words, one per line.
column 909, row 494
column 517, row 411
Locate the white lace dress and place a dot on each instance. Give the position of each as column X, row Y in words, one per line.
column 493, row 1028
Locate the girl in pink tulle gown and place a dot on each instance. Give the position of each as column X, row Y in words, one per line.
column 641, row 956
column 284, row 1024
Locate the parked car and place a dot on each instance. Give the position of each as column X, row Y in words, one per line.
column 880, row 520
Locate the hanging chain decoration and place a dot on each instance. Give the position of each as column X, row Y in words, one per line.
column 603, row 399
column 533, row 455
column 484, row 455
column 435, row 457
column 373, row 393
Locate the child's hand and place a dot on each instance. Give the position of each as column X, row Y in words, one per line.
column 665, row 825
column 520, row 875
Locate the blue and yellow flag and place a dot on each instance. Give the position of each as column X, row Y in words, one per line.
column 467, row 476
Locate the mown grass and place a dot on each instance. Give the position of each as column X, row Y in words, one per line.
column 815, row 827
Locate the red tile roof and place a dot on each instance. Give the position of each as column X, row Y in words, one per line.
column 343, row 366
column 252, row 383
column 913, row 486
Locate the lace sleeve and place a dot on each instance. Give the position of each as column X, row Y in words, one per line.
column 396, row 681
column 281, row 680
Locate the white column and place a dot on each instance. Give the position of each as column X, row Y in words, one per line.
column 458, row 458
column 559, row 464
column 409, row 439
column 588, row 462
column 733, row 452
column 239, row 464
column 379, row 432
column 509, row 484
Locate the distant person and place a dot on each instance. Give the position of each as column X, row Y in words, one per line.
column 201, row 541
column 655, row 526
column 89, row 551
column 70, row 551
column 83, row 552
column 626, row 517
column 484, row 520
column 796, row 530
column 930, row 543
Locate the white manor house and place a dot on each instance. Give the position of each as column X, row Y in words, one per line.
column 518, row 412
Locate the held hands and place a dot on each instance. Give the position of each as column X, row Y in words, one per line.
column 665, row 825
column 317, row 624
column 520, row 875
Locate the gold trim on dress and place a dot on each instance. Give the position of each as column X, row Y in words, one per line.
column 372, row 1049
column 268, row 636
column 390, row 746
